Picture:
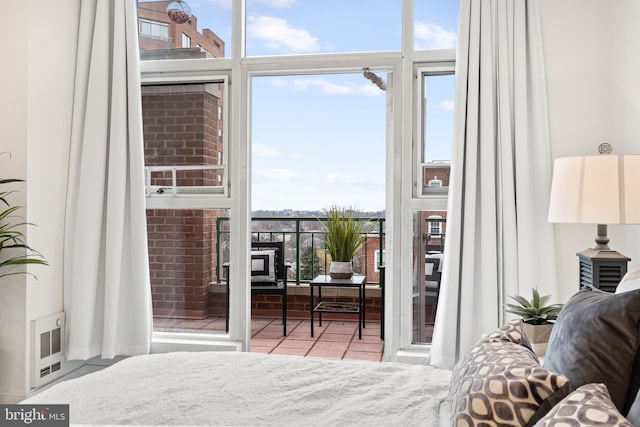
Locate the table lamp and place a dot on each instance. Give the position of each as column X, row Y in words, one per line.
column 602, row 189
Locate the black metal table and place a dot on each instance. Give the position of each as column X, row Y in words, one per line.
column 337, row 307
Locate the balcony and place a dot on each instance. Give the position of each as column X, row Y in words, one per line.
column 189, row 247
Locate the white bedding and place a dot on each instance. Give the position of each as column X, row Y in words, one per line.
column 225, row 388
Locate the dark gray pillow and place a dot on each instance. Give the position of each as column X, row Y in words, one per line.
column 595, row 340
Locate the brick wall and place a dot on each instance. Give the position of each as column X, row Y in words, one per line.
column 298, row 303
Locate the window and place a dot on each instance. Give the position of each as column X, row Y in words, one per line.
column 186, row 40
column 437, row 93
column 435, row 225
column 302, row 27
column 435, row 24
column 153, row 29
column 188, row 206
column 184, row 143
column 316, row 65
column 209, row 29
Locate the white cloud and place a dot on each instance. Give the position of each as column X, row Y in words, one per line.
column 446, row 105
column 277, row 34
column 433, row 36
column 279, row 174
column 262, row 150
column 327, row 86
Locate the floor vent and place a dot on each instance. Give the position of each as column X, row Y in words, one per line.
column 48, row 349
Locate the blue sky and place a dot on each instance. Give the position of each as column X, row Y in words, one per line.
column 320, row 140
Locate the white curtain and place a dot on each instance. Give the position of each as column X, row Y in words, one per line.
column 498, row 240
column 107, row 296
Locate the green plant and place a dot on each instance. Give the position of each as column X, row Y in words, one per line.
column 14, row 250
column 345, row 233
column 534, row 312
column 310, row 265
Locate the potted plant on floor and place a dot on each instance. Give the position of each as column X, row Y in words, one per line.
column 344, row 236
column 14, row 250
column 538, row 317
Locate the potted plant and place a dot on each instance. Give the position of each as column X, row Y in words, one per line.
column 538, row 317
column 344, row 236
column 14, row 250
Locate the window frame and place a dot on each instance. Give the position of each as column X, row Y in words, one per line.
column 422, row 189
column 152, row 23
column 424, row 63
column 173, row 198
column 402, row 198
column 186, row 40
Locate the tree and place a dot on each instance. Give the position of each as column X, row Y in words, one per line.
column 310, row 265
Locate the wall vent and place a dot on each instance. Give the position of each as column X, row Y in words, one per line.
column 48, row 349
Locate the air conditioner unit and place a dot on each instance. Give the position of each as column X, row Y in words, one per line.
column 48, row 349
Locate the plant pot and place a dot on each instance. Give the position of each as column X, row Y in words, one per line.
column 340, row 270
column 538, row 336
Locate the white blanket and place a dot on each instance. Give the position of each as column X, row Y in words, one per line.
column 224, row 388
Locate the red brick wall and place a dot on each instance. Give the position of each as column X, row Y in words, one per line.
column 443, row 226
column 298, row 306
column 371, row 245
column 442, row 173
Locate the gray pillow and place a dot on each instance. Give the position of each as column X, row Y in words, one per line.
column 595, row 340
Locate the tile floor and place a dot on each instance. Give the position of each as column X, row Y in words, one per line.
column 335, row 339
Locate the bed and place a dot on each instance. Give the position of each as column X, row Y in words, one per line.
column 228, row 388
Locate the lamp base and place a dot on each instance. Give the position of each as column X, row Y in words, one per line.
column 602, row 268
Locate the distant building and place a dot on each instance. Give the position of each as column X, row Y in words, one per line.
column 436, row 174
column 158, row 32
column 436, row 177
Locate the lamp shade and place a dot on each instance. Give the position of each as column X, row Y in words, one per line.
column 603, row 189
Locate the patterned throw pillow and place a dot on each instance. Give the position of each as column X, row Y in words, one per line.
column 500, row 382
column 588, row 406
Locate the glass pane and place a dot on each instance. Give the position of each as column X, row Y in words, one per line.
column 318, row 141
column 188, row 249
column 439, row 93
column 436, row 23
column 183, row 143
column 429, row 230
column 207, row 28
column 278, row 27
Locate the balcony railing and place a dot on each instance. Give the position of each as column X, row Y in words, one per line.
column 304, row 245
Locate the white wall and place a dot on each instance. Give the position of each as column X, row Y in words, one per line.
column 13, row 122
column 592, row 61
column 37, row 45
column 50, row 98
column 626, row 101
